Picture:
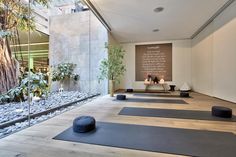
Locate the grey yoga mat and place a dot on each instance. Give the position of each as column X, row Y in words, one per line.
column 158, row 95
column 147, row 100
column 157, row 139
column 172, row 113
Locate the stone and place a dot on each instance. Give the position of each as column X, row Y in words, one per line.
column 35, row 98
column 14, row 111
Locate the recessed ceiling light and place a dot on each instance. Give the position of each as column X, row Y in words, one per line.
column 158, row 9
column 155, row 30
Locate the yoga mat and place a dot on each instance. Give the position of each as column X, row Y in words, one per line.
column 149, row 91
column 147, row 100
column 159, row 95
column 172, row 113
column 157, row 139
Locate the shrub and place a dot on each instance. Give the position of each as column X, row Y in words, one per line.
column 64, row 71
column 38, row 86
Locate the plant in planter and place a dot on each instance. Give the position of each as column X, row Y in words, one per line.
column 64, row 71
column 112, row 68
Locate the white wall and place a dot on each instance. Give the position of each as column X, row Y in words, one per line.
column 214, row 57
column 202, row 56
column 207, row 62
column 181, row 66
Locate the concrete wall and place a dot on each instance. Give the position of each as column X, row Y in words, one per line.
column 98, row 38
column 213, row 57
column 181, row 64
column 79, row 38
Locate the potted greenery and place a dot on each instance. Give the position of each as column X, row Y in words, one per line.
column 64, row 71
column 113, row 67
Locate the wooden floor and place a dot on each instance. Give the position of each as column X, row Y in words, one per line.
column 37, row 141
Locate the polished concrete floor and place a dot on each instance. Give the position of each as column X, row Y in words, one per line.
column 37, row 141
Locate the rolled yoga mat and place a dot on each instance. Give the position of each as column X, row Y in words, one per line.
column 172, row 113
column 146, row 100
column 157, row 139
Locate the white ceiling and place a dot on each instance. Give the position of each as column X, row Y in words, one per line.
column 134, row 20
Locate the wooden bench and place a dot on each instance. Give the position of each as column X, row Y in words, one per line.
column 163, row 85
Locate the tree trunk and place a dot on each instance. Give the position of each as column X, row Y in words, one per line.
column 8, row 67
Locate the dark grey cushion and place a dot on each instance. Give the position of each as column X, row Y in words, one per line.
column 121, row 97
column 129, row 90
column 84, row 124
column 184, row 94
column 220, row 111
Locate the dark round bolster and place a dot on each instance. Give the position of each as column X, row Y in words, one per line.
column 220, row 111
column 84, row 124
column 121, row 97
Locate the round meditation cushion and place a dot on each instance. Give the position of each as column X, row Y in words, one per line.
column 220, row 111
column 121, row 97
column 84, row 124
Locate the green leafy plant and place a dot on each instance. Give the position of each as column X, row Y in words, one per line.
column 38, row 87
column 38, row 84
column 4, row 98
column 112, row 68
column 64, row 71
column 15, row 94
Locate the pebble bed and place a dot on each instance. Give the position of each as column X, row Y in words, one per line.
column 14, row 111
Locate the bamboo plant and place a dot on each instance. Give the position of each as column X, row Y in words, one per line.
column 112, row 68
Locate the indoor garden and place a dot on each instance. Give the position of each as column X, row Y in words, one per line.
column 34, row 84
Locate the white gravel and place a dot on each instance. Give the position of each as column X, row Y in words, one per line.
column 14, row 111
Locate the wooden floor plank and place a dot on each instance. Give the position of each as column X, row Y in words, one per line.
column 37, row 141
